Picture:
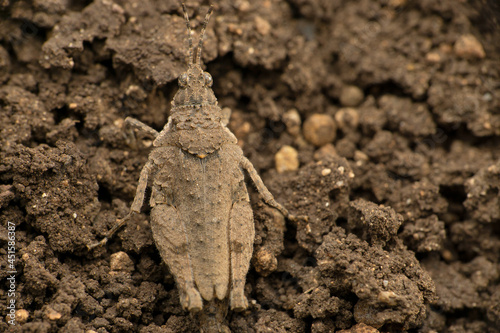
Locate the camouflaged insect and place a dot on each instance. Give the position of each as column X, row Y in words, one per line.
column 201, row 218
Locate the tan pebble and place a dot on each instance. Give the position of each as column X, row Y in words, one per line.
column 120, row 261
column 262, row 26
column 22, row 316
column 468, row 47
column 447, row 255
column 319, row 129
column 265, row 261
column 347, row 118
column 243, row 130
column 433, row 57
column 231, row 27
column 325, row 152
column 286, row 159
column 445, row 48
column 360, row 156
column 244, row 6
column 135, row 91
column 351, row 96
column 90, row 331
column 73, row 105
column 388, row 297
column 292, row 121
column 53, row 314
column 118, row 122
column 326, row 171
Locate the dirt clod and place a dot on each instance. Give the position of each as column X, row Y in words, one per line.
column 360, row 328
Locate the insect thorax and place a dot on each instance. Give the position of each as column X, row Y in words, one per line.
column 195, row 129
column 196, row 116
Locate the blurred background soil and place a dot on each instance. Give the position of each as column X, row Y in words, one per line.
column 380, row 120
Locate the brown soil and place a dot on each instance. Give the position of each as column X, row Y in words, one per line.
column 403, row 205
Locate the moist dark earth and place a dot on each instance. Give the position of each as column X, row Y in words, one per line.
column 379, row 120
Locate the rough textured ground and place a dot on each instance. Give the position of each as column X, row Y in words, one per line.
column 403, row 200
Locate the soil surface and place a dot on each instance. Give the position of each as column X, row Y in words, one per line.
column 400, row 176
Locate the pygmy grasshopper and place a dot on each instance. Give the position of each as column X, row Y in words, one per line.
column 201, row 218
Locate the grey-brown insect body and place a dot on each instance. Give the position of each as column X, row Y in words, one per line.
column 201, row 218
column 199, row 196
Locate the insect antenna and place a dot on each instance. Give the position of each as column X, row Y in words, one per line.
column 190, row 38
column 202, row 35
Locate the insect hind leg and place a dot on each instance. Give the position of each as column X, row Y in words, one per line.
column 172, row 242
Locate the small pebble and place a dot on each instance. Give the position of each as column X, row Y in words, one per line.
column 468, row 47
column 286, row 159
column 22, row 316
column 325, row 152
column 433, row 57
column 326, row 171
column 265, row 261
column 243, row 6
column 447, row 255
column 445, row 48
column 120, row 261
column 53, row 314
column 292, row 121
column 351, row 96
column 347, row 118
column 136, row 92
column 360, row 156
column 319, row 129
column 262, row 26
column 388, row 297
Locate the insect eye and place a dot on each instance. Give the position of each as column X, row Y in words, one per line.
column 183, row 80
column 208, row 79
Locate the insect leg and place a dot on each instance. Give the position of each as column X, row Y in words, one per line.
column 241, row 236
column 132, row 123
column 264, row 192
column 172, row 242
column 135, row 208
